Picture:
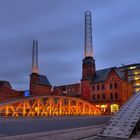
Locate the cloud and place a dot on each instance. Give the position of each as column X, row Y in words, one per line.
column 59, row 27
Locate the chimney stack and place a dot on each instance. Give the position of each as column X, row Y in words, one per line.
column 88, row 51
column 35, row 57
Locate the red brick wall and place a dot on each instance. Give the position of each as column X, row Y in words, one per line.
column 37, row 89
column 85, row 89
column 8, row 93
column 67, row 90
column 123, row 89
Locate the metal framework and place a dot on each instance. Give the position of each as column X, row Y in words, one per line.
column 123, row 123
column 88, row 52
column 47, row 106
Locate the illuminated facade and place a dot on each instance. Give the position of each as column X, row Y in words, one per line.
column 133, row 73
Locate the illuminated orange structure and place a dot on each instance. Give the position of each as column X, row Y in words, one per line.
column 47, row 106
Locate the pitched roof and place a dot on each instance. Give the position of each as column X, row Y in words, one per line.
column 101, row 75
column 5, row 83
column 43, row 80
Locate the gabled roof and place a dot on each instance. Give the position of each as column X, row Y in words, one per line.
column 43, row 80
column 101, row 75
column 5, row 83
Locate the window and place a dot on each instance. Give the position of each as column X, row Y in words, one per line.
column 93, row 87
column 115, row 85
column 1, row 83
column 103, row 86
column 98, row 97
column 94, row 97
column 98, row 87
column 111, row 86
column 116, row 95
column 111, row 96
column 103, row 96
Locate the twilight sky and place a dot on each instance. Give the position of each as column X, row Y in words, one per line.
column 59, row 27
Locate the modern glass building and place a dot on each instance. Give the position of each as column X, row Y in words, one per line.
column 133, row 72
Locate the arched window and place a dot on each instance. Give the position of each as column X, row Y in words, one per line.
column 115, row 85
column 98, row 97
column 98, row 87
column 103, row 86
column 116, row 95
column 111, row 95
column 111, row 86
column 93, row 87
column 103, row 96
column 94, row 97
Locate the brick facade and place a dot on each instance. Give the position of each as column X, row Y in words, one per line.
column 68, row 90
column 6, row 91
column 106, row 87
column 39, row 85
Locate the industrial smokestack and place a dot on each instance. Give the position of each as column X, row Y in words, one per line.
column 88, row 51
column 35, row 57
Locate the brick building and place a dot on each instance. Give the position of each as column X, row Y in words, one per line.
column 68, row 90
column 108, row 88
column 6, row 91
column 39, row 84
column 133, row 73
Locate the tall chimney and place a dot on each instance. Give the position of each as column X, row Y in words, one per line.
column 35, row 57
column 88, row 51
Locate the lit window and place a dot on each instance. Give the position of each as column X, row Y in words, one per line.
column 114, row 108
column 132, row 67
column 136, row 73
column 136, row 78
column 137, row 84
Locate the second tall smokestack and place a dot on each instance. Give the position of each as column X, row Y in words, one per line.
column 35, row 57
